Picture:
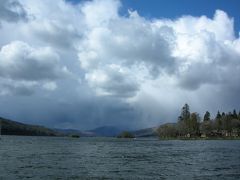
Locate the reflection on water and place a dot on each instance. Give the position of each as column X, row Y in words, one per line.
column 110, row 158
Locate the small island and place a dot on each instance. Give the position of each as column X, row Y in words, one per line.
column 75, row 136
column 126, row 134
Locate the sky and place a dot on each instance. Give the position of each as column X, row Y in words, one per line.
column 130, row 63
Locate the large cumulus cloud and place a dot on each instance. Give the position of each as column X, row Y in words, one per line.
column 100, row 67
column 193, row 50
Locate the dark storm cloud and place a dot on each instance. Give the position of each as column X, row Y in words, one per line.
column 12, row 11
column 19, row 89
column 81, row 114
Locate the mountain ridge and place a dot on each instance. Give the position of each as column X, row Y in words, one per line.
column 11, row 127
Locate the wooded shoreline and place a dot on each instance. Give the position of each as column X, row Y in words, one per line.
column 190, row 126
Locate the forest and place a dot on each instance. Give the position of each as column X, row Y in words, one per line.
column 191, row 125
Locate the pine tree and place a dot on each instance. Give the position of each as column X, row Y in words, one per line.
column 207, row 116
column 223, row 114
column 185, row 112
column 180, row 118
column 234, row 115
column 183, row 120
column 218, row 116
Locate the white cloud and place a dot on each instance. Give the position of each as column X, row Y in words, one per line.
column 181, row 48
column 51, row 86
column 21, row 61
column 128, row 59
column 29, row 66
column 193, row 50
column 113, row 81
column 50, row 25
column 98, row 13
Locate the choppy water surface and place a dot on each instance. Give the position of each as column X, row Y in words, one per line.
column 110, row 158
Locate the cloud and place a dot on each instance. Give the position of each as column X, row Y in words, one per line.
column 55, row 33
column 193, row 50
column 100, row 12
column 22, row 67
column 54, row 29
column 128, row 43
column 20, row 61
column 99, row 67
column 51, row 86
column 113, row 81
column 12, row 11
column 208, row 51
column 21, row 88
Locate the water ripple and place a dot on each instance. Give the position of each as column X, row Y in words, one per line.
column 110, row 158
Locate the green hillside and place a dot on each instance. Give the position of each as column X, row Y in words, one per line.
column 9, row 127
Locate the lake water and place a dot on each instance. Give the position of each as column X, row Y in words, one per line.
column 110, row 158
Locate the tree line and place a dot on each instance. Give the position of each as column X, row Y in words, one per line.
column 192, row 125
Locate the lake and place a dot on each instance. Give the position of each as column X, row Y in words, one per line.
column 110, row 158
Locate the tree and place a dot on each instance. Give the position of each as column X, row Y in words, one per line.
column 185, row 112
column 206, row 127
column 226, row 122
column 180, row 118
column 230, row 115
column 235, row 124
column 182, row 128
column 218, row 121
column 207, row 116
column 218, row 116
column 183, row 120
column 193, row 124
column 218, row 124
column 167, row 130
column 223, row 114
column 234, row 115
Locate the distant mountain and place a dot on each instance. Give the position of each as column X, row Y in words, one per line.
column 9, row 127
column 148, row 132
column 69, row 132
column 109, row 131
column 106, row 131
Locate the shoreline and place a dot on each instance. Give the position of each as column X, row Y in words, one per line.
column 199, row 138
column 157, row 138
